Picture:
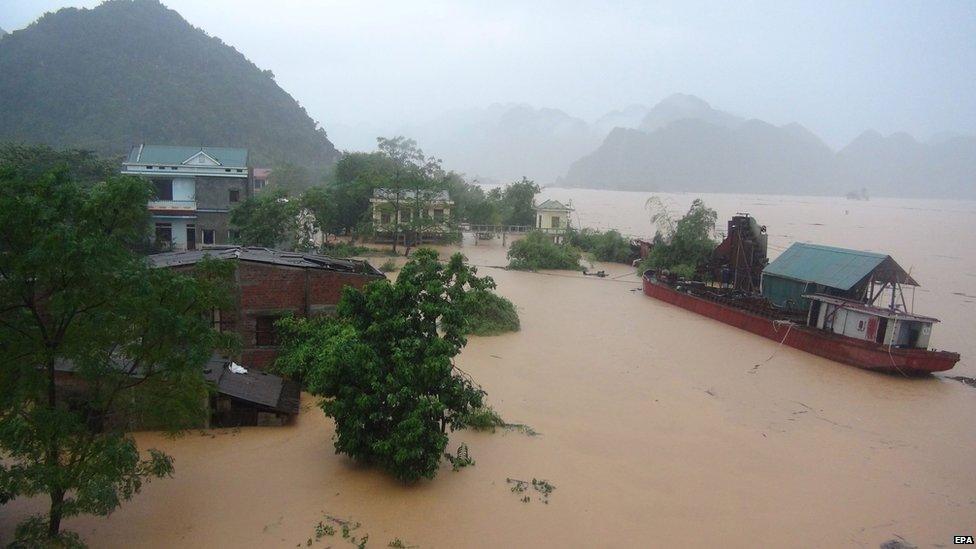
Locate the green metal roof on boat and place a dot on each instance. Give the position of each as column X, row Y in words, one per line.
column 175, row 155
column 835, row 267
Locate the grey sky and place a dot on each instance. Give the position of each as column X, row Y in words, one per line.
column 836, row 67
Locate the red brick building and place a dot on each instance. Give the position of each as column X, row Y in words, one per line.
column 271, row 283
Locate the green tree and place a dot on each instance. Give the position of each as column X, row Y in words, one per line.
column 487, row 313
column 516, row 203
column 269, row 219
column 385, row 364
column 538, row 251
column 604, row 245
column 683, row 246
column 291, row 178
column 321, row 204
column 471, row 203
column 84, row 167
column 74, row 298
column 356, row 175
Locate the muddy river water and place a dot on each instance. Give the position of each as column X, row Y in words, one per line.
column 656, row 427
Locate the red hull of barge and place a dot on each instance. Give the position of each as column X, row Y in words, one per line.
column 863, row 354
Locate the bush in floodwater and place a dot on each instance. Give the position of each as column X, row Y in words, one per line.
column 344, row 249
column 538, row 251
column 487, row 313
column 605, row 246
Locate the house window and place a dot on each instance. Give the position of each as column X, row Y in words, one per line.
column 233, row 235
column 385, row 217
column 264, row 331
column 172, row 167
column 235, row 195
column 860, row 326
column 164, row 232
column 406, row 215
column 227, row 170
column 209, row 235
column 438, row 214
column 258, row 184
column 148, row 167
column 164, row 189
column 555, row 222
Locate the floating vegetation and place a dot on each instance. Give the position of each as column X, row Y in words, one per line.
column 486, row 418
column 542, row 487
column 327, row 528
column 461, row 460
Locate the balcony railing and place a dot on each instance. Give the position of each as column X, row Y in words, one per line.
column 172, row 204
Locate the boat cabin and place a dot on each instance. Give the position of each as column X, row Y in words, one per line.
column 859, row 320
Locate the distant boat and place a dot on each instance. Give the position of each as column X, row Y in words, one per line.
column 817, row 299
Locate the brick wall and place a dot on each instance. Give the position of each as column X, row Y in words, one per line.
column 275, row 290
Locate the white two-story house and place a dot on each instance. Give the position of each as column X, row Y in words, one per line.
column 196, row 187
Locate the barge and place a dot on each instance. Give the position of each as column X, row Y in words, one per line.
column 791, row 331
column 818, row 299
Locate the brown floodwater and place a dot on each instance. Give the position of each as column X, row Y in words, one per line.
column 656, row 426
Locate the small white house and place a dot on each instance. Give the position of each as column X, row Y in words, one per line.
column 552, row 216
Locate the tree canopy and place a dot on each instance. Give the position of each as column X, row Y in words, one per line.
column 268, row 219
column 76, row 301
column 538, row 251
column 684, row 246
column 385, row 364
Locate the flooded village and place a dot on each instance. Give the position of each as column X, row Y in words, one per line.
column 215, row 344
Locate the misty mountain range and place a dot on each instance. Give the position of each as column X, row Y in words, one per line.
column 684, row 144
column 133, row 71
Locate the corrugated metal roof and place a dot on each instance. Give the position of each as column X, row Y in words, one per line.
column 254, row 386
column 838, row 268
column 175, row 155
column 264, row 255
column 553, row 205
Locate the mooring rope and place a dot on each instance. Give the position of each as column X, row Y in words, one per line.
column 776, row 324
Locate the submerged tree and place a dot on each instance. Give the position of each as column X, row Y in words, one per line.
column 385, row 364
column 76, row 302
column 683, row 247
column 538, row 251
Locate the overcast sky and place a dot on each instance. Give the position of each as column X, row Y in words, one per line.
column 836, row 67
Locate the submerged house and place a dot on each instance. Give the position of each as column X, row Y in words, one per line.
column 427, row 212
column 269, row 284
column 249, row 397
column 552, row 216
column 837, row 289
column 196, row 187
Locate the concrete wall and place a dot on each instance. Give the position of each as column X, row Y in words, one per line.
column 213, row 193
